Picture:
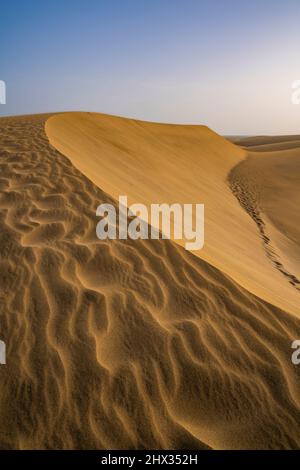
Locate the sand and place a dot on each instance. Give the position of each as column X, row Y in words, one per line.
column 155, row 163
column 141, row 344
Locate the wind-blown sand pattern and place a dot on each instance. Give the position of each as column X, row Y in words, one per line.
column 137, row 344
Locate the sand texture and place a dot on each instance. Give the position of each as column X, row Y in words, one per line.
column 127, row 344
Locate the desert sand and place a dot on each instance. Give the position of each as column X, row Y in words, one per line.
column 171, row 163
column 127, row 344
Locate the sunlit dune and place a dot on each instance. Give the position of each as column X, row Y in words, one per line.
column 124, row 344
column 153, row 163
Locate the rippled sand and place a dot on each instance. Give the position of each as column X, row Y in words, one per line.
column 135, row 344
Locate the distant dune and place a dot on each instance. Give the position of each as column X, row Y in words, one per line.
column 265, row 143
column 141, row 344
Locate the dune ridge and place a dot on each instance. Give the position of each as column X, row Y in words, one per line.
column 125, row 344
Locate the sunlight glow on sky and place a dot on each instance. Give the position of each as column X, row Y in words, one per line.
column 228, row 64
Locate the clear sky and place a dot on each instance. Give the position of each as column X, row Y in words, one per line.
column 228, row 64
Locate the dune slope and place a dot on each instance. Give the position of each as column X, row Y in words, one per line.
column 267, row 185
column 125, row 344
column 156, row 163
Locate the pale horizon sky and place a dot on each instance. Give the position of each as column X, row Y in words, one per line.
column 228, row 64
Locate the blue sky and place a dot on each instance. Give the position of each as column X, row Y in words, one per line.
column 228, row 64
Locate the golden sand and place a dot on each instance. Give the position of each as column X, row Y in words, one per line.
column 140, row 344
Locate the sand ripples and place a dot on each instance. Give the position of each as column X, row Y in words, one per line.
column 124, row 344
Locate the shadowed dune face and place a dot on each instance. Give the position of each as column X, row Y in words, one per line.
column 164, row 163
column 125, row 344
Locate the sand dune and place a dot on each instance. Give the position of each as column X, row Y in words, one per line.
column 138, row 344
column 272, row 180
column 268, row 143
column 171, row 163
